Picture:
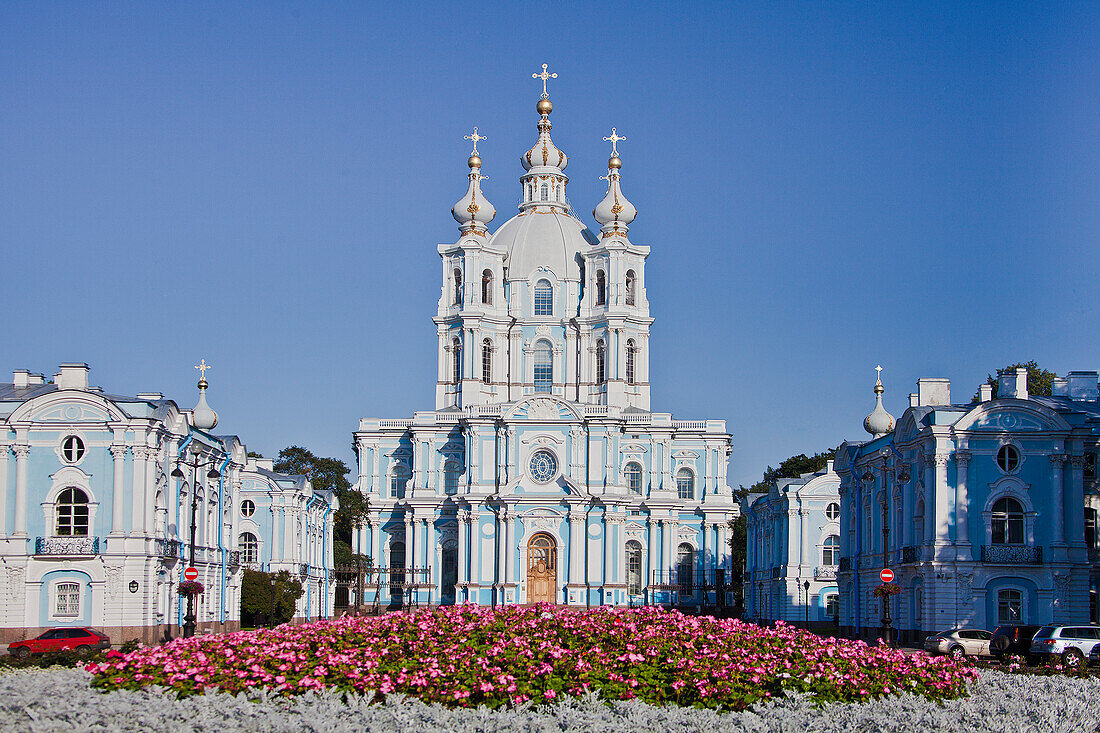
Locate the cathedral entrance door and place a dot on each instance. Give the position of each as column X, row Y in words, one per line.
column 542, row 569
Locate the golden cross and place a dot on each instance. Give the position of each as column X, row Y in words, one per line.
column 878, row 374
column 544, row 76
column 202, row 367
column 615, row 138
column 475, row 137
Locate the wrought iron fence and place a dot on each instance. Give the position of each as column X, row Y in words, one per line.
column 369, row 589
column 66, row 545
column 1012, row 554
column 168, row 549
column 825, row 572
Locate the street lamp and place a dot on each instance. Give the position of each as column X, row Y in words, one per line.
column 196, row 454
column 806, row 585
column 271, row 621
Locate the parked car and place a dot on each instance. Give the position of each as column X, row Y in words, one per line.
column 1012, row 639
column 1094, row 656
column 80, row 639
column 1067, row 644
column 960, row 643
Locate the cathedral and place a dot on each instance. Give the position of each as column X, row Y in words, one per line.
column 542, row 474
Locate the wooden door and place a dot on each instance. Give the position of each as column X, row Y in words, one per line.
column 542, row 571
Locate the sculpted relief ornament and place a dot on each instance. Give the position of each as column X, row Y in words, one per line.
column 542, row 409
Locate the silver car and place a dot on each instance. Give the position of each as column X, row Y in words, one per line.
column 1068, row 644
column 960, row 643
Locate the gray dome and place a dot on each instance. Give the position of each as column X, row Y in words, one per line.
column 545, row 237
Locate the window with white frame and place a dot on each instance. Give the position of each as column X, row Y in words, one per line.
column 544, row 192
column 1008, row 458
column 601, row 288
column 486, row 361
column 456, row 363
column 249, row 546
column 67, row 599
column 685, row 483
column 451, row 472
column 71, row 514
column 630, row 287
column 457, row 274
column 248, row 508
column 72, row 449
column 1010, row 606
column 832, row 512
column 399, row 477
column 634, row 567
column 830, row 550
column 544, row 366
column 1007, row 521
column 487, row 287
column 634, row 477
column 601, row 362
column 832, row 605
column 544, row 298
column 631, row 349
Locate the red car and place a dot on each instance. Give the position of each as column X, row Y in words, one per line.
column 79, row 639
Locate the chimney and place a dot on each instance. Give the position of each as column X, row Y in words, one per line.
column 1082, row 386
column 1059, row 387
column 21, row 378
column 933, row 391
column 829, row 466
column 985, row 392
column 1012, row 383
column 36, row 379
column 913, row 400
column 72, row 376
column 151, row 396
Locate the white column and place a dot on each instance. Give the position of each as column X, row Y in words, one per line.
column 429, row 554
column 510, row 549
column 22, row 453
column 376, row 541
column 410, row 536
column 5, row 448
column 721, row 551
column 118, row 452
column 137, row 513
column 962, row 505
column 666, row 465
column 463, row 571
column 149, row 513
column 1057, row 479
column 651, row 553
column 576, row 546
column 608, row 552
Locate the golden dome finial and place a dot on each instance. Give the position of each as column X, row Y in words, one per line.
column 544, row 76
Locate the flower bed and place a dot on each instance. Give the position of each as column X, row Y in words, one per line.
column 467, row 655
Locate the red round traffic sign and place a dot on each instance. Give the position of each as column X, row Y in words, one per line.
column 886, row 575
column 193, row 574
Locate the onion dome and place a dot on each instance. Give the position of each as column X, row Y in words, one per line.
column 544, row 153
column 615, row 212
column 879, row 422
column 473, row 212
column 202, row 417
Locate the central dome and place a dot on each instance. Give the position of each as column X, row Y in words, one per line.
column 548, row 238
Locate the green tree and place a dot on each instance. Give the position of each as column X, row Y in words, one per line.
column 792, row 467
column 1039, row 381
column 261, row 597
column 328, row 474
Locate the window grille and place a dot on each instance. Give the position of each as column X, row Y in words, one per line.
column 68, row 599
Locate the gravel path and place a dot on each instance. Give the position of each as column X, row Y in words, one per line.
column 61, row 700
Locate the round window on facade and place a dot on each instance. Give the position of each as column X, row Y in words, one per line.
column 833, row 511
column 1008, row 458
column 544, row 466
column 248, row 508
column 72, row 449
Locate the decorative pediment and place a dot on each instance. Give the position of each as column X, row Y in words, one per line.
column 685, row 455
column 543, row 407
column 634, row 448
column 70, row 409
column 452, row 447
column 541, row 520
column 544, row 439
column 399, row 453
column 635, row 531
column 1011, row 416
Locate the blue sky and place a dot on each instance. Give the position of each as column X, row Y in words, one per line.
column 825, row 187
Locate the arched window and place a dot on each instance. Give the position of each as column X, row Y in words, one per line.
column 685, row 566
column 1010, row 606
column 544, row 192
column 487, row 287
column 487, row 361
column 530, row 191
column 634, row 567
column 830, row 550
column 544, row 366
column 630, row 349
column 456, row 353
column 832, row 512
column 630, row 287
column 399, row 479
column 1090, row 528
column 451, row 474
column 1008, row 522
column 634, row 477
column 685, row 483
column 249, row 545
column 72, row 514
column 544, row 298
column 560, row 197
column 601, row 362
column 458, row 286
column 601, row 288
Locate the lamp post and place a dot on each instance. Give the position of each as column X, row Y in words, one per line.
column 806, row 585
column 271, row 621
column 196, row 455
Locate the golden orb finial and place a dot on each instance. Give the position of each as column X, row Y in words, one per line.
column 545, row 106
column 614, row 163
column 474, row 161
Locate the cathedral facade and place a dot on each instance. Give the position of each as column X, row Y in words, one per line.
column 542, row 474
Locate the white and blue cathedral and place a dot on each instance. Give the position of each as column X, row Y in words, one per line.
column 542, row 474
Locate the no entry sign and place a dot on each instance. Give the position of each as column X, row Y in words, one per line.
column 193, row 574
column 886, row 575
